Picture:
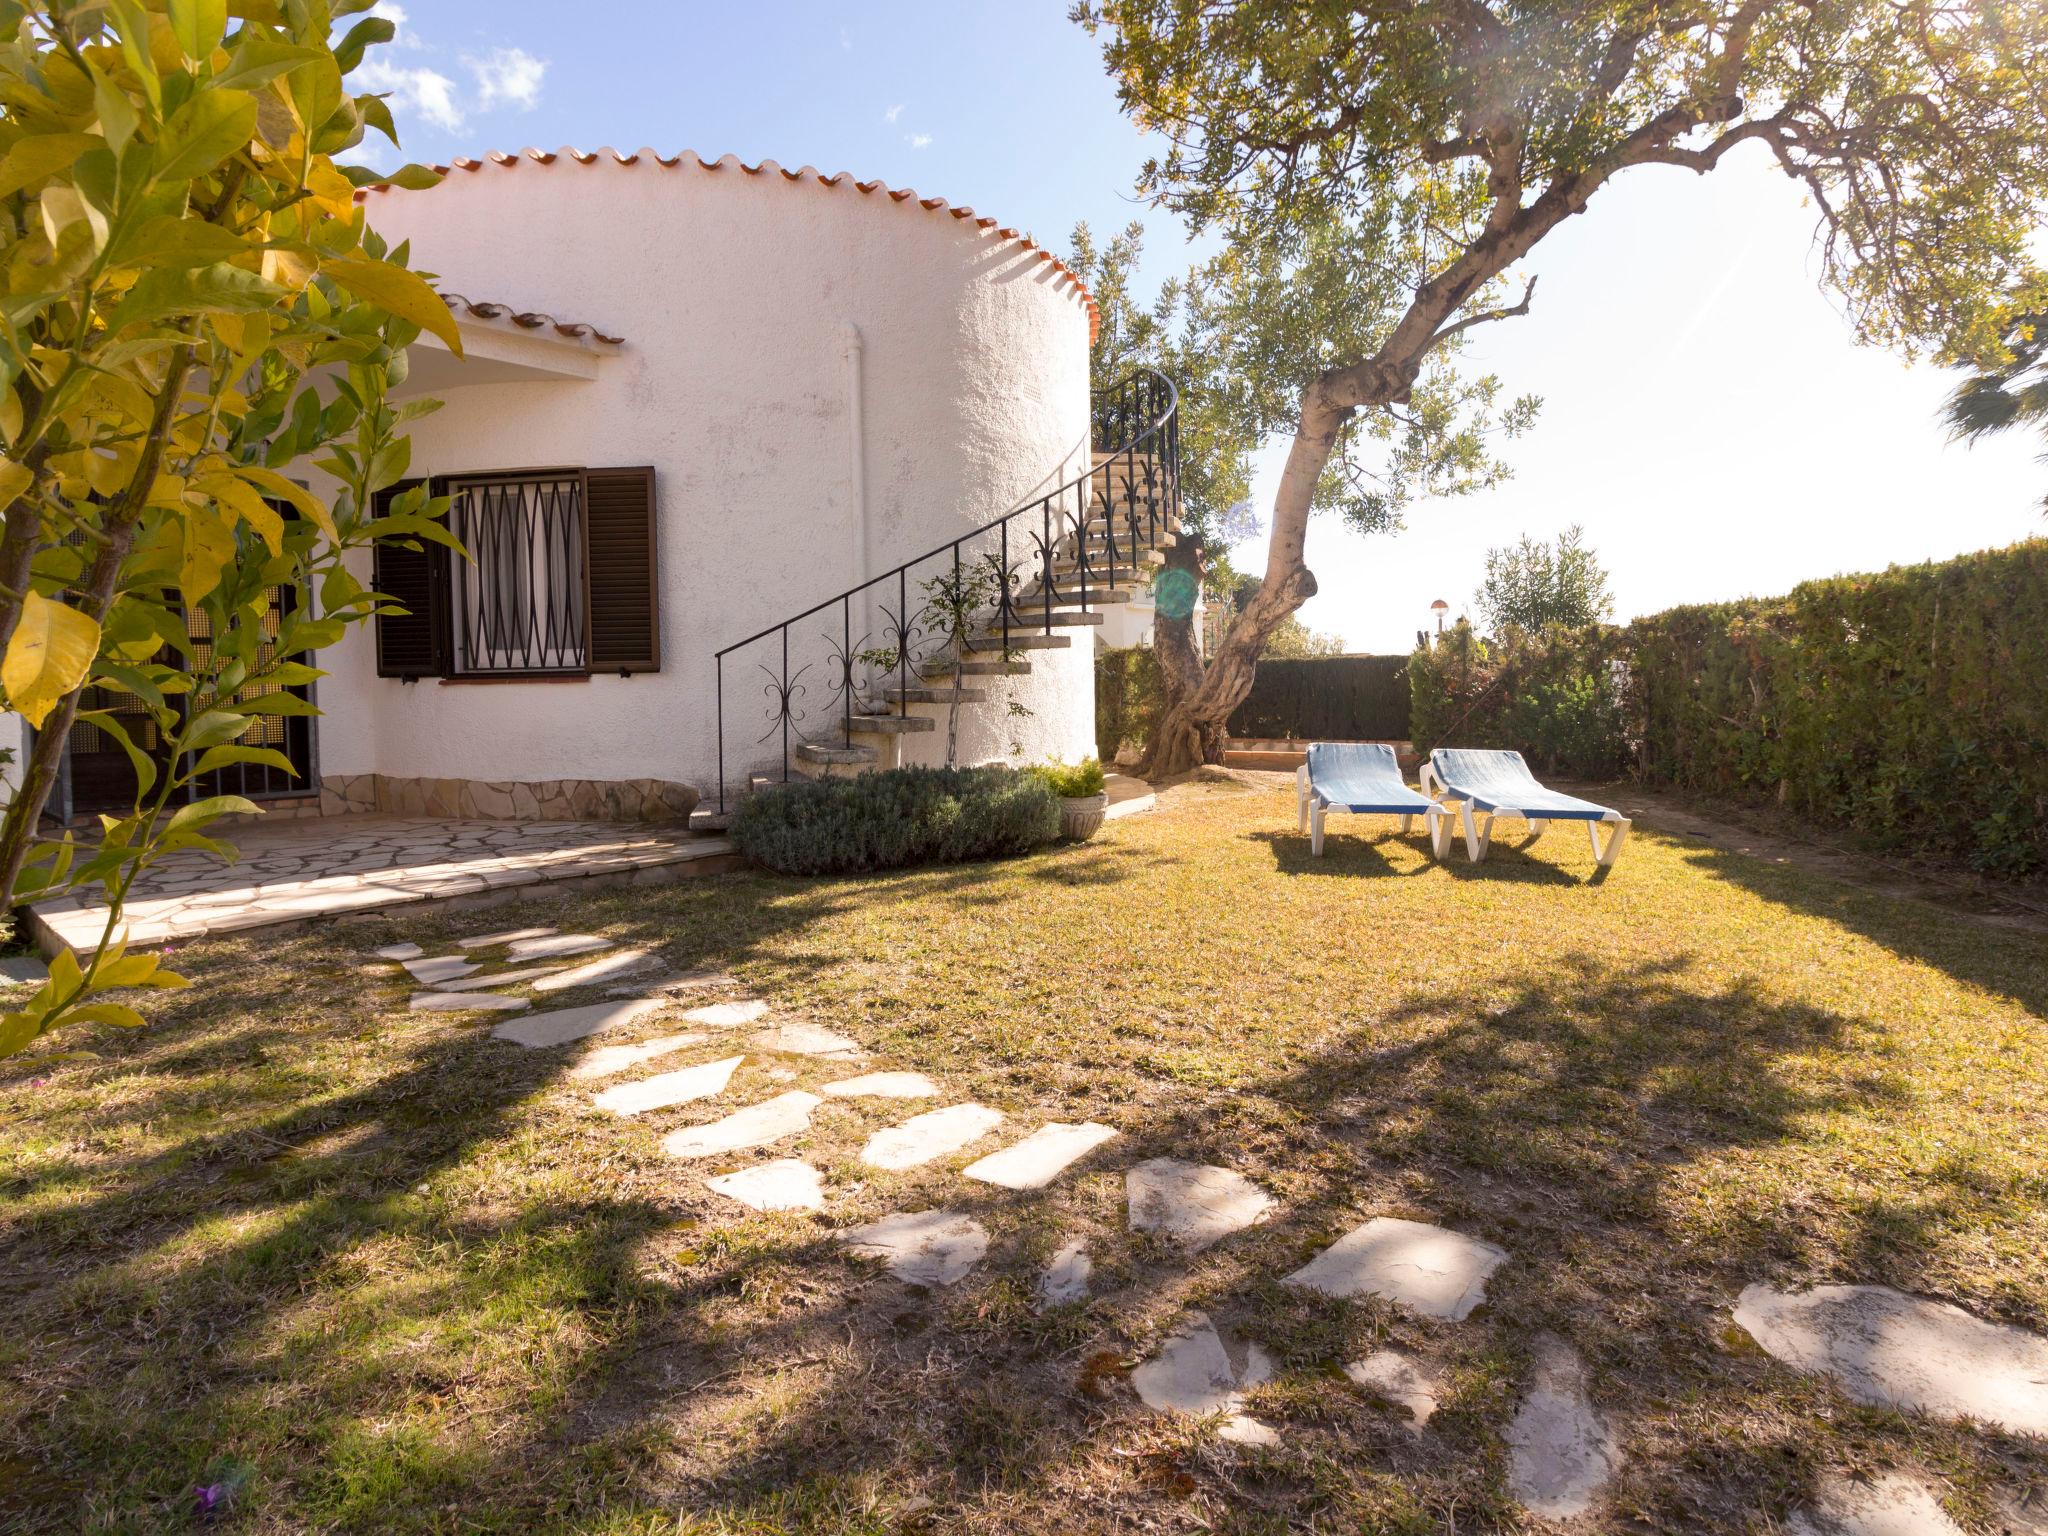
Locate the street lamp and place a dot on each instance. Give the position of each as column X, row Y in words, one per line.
column 1439, row 608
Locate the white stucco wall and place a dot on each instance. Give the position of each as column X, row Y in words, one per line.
column 735, row 292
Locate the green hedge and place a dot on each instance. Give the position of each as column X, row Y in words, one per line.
column 1911, row 705
column 1556, row 698
column 897, row 818
column 1128, row 697
column 1327, row 698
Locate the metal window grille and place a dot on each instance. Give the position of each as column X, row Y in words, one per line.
column 519, row 600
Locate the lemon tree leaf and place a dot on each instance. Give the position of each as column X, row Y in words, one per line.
column 399, row 291
column 52, row 648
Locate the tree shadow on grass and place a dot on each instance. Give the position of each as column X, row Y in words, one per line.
column 1637, row 1139
column 2012, row 964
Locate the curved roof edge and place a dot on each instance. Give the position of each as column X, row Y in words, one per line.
column 804, row 173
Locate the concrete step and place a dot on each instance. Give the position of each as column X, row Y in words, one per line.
column 884, row 698
column 890, row 725
column 944, row 669
column 1147, row 559
column 1032, row 619
column 1096, row 594
column 1105, row 455
column 811, row 754
column 1020, row 640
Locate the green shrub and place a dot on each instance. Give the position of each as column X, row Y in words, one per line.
column 1555, row 697
column 1073, row 781
column 1129, row 694
column 897, row 818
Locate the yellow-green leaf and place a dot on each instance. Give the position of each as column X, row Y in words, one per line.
column 199, row 26
column 240, row 498
column 104, row 1013
column 399, row 291
column 52, row 648
column 14, row 479
column 204, row 132
column 208, row 547
column 39, row 157
column 308, row 506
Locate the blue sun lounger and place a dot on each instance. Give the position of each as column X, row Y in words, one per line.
column 1362, row 777
column 1500, row 784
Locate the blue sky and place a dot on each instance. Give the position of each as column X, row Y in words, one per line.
column 1707, row 417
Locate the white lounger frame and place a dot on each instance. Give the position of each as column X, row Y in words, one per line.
column 1310, row 810
column 1478, row 840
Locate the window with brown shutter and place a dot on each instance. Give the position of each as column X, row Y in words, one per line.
column 561, row 578
column 620, row 567
column 413, row 643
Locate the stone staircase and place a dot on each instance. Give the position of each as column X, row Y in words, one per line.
column 1113, row 525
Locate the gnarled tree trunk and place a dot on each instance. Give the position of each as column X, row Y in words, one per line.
column 1200, row 698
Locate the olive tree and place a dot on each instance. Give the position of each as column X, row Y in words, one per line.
column 1381, row 172
column 193, row 304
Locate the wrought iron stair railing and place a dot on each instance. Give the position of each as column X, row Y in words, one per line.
column 1079, row 546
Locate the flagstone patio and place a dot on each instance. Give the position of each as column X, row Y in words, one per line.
column 316, row 867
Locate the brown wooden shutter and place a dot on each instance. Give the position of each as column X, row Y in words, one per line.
column 623, row 580
column 413, row 643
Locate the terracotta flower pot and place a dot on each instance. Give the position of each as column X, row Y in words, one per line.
column 1081, row 818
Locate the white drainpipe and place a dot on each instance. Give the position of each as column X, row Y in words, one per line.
column 856, row 450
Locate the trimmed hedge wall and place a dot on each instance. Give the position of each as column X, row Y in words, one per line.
column 1910, row 705
column 1327, row 698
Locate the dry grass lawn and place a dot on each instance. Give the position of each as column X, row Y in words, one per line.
column 377, row 1272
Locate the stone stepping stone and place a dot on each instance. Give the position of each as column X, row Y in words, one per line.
column 728, row 1015
column 772, row 1120
column 1040, row 1157
column 1560, row 1451
column 786, row 1184
column 504, row 936
column 668, row 1089
column 922, row 1247
column 1898, row 1351
column 624, row 963
column 1427, row 1269
column 1066, row 1277
column 609, row 1059
column 806, row 1040
column 496, row 979
column 1200, row 1373
column 435, row 968
column 1401, row 1380
column 923, row 1137
column 465, row 1002
column 562, row 1025
column 398, row 952
column 883, row 1085
column 682, row 981
column 548, row 946
column 1192, row 1204
column 1890, row 1504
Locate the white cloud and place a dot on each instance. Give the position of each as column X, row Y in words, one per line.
column 893, row 113
column 508, row 75
column 428, row 92
column 918, row 140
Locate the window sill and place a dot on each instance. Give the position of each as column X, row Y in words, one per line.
column 515, row 677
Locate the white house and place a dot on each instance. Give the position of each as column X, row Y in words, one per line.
column 700, row 400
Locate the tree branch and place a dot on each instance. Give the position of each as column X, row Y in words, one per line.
column 1487, row 316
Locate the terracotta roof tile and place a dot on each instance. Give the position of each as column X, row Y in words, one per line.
column 526, row 320
column 806, row 173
